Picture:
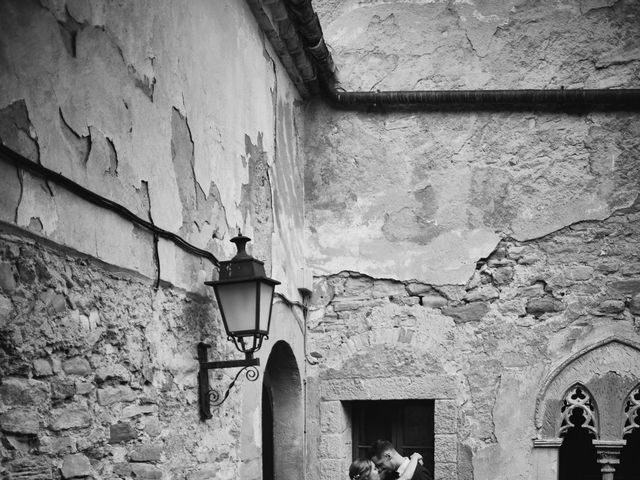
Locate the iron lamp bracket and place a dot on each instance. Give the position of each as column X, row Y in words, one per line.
column 208, row 396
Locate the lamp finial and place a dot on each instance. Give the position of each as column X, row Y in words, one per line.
column 241, row 242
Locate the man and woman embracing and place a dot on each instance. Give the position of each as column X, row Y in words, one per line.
column 386, row 463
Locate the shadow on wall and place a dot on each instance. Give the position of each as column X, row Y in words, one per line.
column 282, row 416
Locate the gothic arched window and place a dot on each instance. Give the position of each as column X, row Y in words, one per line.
column 578, row 427
column 629, row 467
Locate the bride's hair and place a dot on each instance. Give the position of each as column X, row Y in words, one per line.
column 360, row 469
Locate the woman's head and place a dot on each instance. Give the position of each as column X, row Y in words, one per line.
column 363, row 469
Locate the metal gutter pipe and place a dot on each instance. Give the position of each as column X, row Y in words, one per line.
column 309, row 29
column 557, row 99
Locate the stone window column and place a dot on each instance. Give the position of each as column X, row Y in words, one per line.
column 608, row 456
column 545, row 458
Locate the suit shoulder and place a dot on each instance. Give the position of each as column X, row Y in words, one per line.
column 422, row 473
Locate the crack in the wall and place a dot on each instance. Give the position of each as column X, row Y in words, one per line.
column 21, row 183
column 113, row 158
column 143, row 82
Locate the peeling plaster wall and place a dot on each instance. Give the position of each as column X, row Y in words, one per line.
column 160, row 107
column 461, row 256
column 181, row 112
column 482, row 350
column 425, row 195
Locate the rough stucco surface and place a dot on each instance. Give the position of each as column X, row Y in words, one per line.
column 464, row 256
column 129, row 100
column 99, row 373
column 182, row 113
column 425, row 195
column 486, row 347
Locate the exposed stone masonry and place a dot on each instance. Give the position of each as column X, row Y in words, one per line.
column 99, row 372
column 526, row 306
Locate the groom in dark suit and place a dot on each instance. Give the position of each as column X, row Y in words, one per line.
column 391, row 464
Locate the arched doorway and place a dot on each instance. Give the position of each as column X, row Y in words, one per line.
column 282, row 416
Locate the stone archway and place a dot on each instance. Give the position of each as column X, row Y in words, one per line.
column 283, row 406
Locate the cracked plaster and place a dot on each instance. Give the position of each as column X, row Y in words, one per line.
column 99, row 82
column 425, row 195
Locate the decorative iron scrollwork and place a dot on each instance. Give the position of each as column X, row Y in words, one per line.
column 251, row 373
column 632, row 412
column 578, row 403
column 210, row 397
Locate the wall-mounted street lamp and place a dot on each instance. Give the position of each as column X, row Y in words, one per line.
column 245, row 295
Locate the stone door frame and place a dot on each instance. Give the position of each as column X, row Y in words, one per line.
column 335, row 421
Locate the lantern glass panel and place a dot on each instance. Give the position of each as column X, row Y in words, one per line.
column 238, row 305
column 266, row 297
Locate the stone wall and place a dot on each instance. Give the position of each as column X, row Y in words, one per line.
column 464, row 255
column 181, row 112
column 482, row 350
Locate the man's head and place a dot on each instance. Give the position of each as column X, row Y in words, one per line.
column 385, row 457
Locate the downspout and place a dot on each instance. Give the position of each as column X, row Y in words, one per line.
column 310, row 31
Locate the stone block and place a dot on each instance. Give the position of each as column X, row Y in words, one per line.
column 540, row 306
column 445, row 448
column 631, row 269
column 76, row 465
column 19, row 443
column 333, row 446
column 502, row 275
column 388, row 288
column 7, row 279
column 6, row 307
column 73, row 416
column 482, row 293
column 578, row 273
column 57, row 445
column 389, row 388
column 143, row 471
column 122, row 432
column 62, row 388
column 445, row 471
column 333, row 468
column 418, row 288
column 83, row 387
column 25, row 421
column 152, row 426
column 608, row 266
column 612, row 306
column 626, row 287
column 471, row 312
column 29, row 468
column 23, row 391
column 136, row 410
column 112, row 372
column 634, row 305
column 76, row 366
column 42, row 368
column 146, row 453
column 56, row 304
column 445, row 416
column 119, row 393
column 333, row 418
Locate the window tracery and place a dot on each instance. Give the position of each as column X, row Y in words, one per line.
column 578, row 410
column 632, row 412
